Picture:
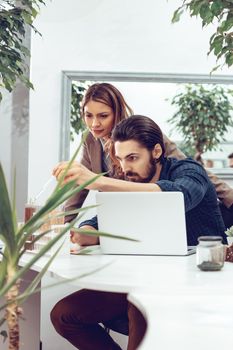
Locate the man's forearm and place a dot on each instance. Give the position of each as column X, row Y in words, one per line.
column 106, row 184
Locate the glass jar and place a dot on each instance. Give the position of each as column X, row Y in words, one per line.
column 210, row 253
column 29, row 211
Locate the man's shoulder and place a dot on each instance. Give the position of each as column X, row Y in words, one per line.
column 187, row 163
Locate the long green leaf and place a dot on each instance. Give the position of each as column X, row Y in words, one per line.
column 57, row 198
column 103, row 234
column 39, row 223
column 62, row 214
column 35, row 258
column 14, row 216
column 35, row 238
column 53, row 202
column 6, row 220
column 3, row 269
column 60, row 181
column 74, row 211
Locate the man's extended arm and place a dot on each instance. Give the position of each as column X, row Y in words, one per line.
column 224, row 191
column 189, row 178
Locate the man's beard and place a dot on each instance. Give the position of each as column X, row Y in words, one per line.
column 152, row 167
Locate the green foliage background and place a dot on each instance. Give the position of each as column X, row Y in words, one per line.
column 76, row 120
column 14, row 17
column 213, row 11
column 202, row 117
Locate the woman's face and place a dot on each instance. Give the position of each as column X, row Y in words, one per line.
column 99, row 119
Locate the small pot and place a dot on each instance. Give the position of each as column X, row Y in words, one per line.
column 230, row 240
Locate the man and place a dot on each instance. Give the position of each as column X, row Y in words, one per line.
column 93, row 152
column 139, row 150
column 230, row 157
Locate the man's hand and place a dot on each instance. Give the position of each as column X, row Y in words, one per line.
column 77, row 172
column 82, row 239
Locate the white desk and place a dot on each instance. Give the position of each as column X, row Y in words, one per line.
column 180, row 302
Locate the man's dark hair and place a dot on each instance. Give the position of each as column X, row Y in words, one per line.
column 141, row 129
column 230, row 155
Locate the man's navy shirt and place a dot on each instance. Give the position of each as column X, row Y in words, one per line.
column 203, row 216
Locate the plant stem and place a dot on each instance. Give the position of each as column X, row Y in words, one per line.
column 12, row 314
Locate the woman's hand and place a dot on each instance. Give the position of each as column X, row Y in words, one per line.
column 84, row 239
column 77, row 172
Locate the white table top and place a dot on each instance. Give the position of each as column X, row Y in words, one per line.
column 123, row 273
column 175, row 296
column 186, row 322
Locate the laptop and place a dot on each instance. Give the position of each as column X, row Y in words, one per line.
column 155, row 219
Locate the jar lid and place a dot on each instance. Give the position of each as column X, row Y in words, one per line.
column 209, row 238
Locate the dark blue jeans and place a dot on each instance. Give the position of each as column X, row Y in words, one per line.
column 77, row 318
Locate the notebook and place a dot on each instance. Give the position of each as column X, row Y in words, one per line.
column 155, row 219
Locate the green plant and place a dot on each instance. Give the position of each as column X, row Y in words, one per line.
column 76, row 120
column 14, row 239
column 229, row 232
column 14, row 16
column 220, row 11
column 202, row 116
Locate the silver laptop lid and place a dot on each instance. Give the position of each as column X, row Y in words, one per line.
column 156, row 219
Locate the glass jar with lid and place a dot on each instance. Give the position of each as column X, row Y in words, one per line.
column 210, row 253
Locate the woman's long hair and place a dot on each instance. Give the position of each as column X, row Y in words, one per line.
column 109, row 95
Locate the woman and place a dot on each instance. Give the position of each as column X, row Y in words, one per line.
column 103, row 107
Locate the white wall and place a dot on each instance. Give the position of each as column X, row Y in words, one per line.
column 5, row 134
column 102, row 35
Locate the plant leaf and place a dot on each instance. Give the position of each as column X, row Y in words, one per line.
column 103, row 234
column 84, row 136
column 35, row 258
column 6, row 221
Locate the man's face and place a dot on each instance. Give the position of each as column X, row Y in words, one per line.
column 231, row 162
column 136, row 161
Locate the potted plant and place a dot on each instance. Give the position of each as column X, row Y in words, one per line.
column 14, row 239
column 229, row 233
column 202, row 117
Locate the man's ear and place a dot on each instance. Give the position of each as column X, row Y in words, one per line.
column 157, row 151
